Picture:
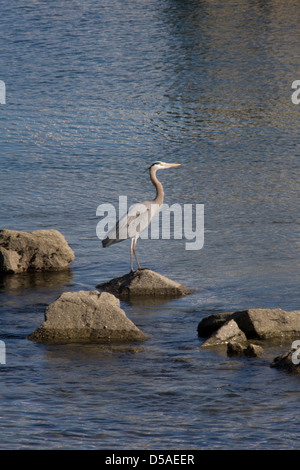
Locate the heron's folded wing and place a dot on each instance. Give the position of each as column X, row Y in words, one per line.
column 130, row 225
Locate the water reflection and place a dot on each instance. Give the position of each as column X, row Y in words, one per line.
column 17, row 283
column 87, row 352
column 217, row 55
column 150, row 301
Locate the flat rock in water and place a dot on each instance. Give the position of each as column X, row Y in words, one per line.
column 37, row 251
column 143, row 283
column 86, row 316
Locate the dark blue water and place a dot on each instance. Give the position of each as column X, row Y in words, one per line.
column 95, row 92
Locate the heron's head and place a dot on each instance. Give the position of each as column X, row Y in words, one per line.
column 162, row 165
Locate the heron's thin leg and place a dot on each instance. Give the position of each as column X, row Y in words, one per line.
column 131, row 258
column 137, row 262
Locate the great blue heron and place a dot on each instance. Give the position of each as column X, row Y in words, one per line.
column 139, row 216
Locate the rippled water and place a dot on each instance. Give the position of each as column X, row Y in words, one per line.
column 95, row 92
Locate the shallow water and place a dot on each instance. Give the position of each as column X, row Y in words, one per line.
column 95, row 92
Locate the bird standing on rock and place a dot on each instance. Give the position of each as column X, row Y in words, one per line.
column 137, row 219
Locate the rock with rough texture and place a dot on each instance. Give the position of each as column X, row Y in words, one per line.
column 263, row 323
column 86, row 316
column 227, row 332
column 259, row 323
column 211, row 323
column 253, row 350
column 235, row 349
column 143, row 283
column 238, row 349
column 40, row 250
column 288, row 362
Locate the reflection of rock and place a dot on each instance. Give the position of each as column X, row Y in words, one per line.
column 143, row 283
column 90, row 352
column 35, row 280
column 86, row 316
column 41, row 250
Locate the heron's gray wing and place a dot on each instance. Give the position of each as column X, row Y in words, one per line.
column 116, row 234
column 130, row 225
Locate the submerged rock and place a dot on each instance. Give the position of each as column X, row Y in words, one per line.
column 238, row 349
column 40, row 250
column 86, row 316
column 143, row 283
column 235, row 349
column 253, row 350
column 288, row 362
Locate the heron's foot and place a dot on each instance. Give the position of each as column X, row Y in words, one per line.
column 132, row 271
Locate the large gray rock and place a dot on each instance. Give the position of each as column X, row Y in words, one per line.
column 86, row 316
column 263, row 323
column 259, row 323
column 229, row 332
column 41, row 250
column 143, row 283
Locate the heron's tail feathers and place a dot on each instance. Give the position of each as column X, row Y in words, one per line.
column 106, row 242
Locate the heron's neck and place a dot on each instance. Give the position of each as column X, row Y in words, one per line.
column 159, row 188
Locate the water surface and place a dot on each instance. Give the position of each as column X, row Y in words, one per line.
column 97, row 91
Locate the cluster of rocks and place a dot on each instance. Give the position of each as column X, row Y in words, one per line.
column 93, row 316
column 84, row 316
column 255, row 323
column 237, row 330
column 96, row 316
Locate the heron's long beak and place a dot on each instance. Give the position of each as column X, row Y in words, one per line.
column 169, row 165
